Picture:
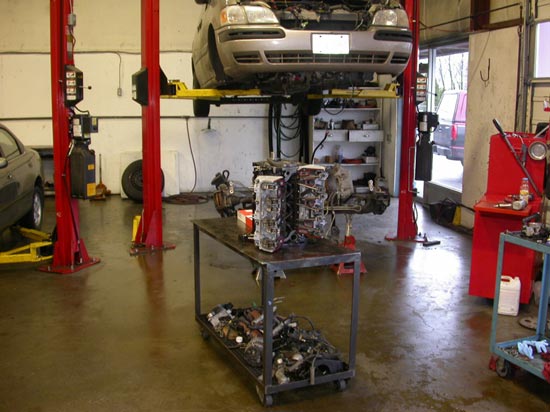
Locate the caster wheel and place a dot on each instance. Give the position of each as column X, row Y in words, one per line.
column 504, row 368
column 266, row 400
column 204, row 334
column 341, row 385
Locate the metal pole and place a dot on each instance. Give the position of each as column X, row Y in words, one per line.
column 523, row 68
column 406, row 226
column 151, row 234
column 70, row 254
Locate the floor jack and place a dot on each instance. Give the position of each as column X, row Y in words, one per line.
column 349, row 243
column 39, row 249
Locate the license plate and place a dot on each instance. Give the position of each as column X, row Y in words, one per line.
column 330, row 43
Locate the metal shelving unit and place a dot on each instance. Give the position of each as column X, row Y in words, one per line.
column 507, row 350
column 352, row 142
column 228, row 231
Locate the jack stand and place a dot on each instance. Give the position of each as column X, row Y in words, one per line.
column 349, row 243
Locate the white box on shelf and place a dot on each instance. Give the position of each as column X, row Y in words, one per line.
column 366, row 136
column 370, row 160
column 336, row 135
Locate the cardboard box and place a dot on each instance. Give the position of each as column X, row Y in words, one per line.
column 245, row 216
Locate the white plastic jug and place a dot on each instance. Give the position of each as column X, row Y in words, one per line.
column 508, row 302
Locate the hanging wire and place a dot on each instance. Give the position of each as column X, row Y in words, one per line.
column 189, row 198
column 284, row 129
column 192, row 155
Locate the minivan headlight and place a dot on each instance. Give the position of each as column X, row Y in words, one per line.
column 257, row 14
column 247, row 15
column 391, row 18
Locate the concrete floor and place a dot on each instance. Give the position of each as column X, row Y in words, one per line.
column 121, row 335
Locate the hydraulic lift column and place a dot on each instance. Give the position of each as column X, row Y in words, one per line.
column 149, row 233
column 406, row 226
column 70, row 254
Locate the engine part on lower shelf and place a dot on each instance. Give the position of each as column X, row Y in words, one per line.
column 298, row 353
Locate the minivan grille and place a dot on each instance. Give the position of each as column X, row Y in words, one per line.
column 400, row 59
column 308, row 57
column 393, row 35
column 252, row 34
column 248, row 58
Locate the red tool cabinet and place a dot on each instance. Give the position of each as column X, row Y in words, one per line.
column 504, row 178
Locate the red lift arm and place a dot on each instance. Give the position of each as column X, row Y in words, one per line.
column 70, row 254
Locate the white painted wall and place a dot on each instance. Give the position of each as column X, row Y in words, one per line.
column 495, row 98
column 107, row 51
column 435, row 12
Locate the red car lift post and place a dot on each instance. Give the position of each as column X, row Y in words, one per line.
column 70, row 254
column 149, row 233
column 406, row 225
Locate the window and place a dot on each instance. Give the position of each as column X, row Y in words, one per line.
column 8, row 146
column 446, row 109
column 542, row 50
column 447, row 89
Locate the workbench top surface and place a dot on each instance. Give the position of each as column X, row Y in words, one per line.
column 313, row 252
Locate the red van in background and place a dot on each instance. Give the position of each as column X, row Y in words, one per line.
column 449, row 135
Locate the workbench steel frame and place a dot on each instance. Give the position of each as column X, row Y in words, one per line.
column 535, row 366
column 228, row 231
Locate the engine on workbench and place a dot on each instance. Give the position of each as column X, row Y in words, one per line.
column 290, row 203
column 294, row 201
column 298, row 353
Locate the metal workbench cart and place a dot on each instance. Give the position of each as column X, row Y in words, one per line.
column 507, row 352
column 321, row 252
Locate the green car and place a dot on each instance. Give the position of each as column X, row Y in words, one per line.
column 21, row 183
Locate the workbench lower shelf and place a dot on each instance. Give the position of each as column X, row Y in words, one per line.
column 256, row 373
column 321, row 252
column 508, row 352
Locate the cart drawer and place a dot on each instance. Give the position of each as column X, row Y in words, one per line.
column 366, row 135
column 333, row 135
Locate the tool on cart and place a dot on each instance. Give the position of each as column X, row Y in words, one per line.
column 529, row 353
column 516, row 156
column 534, row 229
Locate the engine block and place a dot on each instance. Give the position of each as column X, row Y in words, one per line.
column 290, row 203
